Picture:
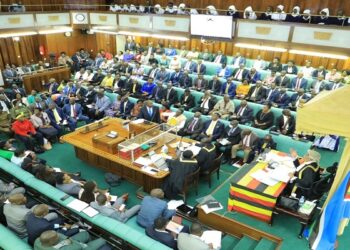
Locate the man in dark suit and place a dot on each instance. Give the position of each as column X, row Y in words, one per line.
column 158, row 233
column 212, row 128
column 334, row 85
column 247, row 143
column 38, row 104
column 58, row 118
column 285, row 124
column 80, row 90
column 162, row 75
column 190, row 65
column 73, row 111
column 256, row 93
column 232, row 135
column 125, row 107
column 152, row 73
column 170, row 95
column 290, row 68
column 206, row 103
column 158, row 93
column 186, row 100
column 125, row 69
column 16, row 90
column 253, row 76
column 97, row 78
column 90, row 95
column 282, row 80
column 220, row 58
column 240, row 73
column 283, row 100
column 206, row 155
column 119, row 84
column 298, row 98
column 319, row 72
column 185, row 81
column 150, row 112
column 243, row 113
column 214, row 85
column 299, row 82
column 134, row 88
column 200, row 68
column 200, row 83
column 130, row 45
column 271, row 94
column 266, row 143
column 176, row 76
column 193, row 126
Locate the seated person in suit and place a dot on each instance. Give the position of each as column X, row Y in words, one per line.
column 283, row 100
column 185, row 81
column 307, row 171
column 298, row 82
column 159, row 233
column 193, row 240
column 206, row 55
column 290, row 68
column 162, row 75
column 41, row 220
column 149, row 112
column 186, row 101
column 253, row 76
column 193, row 126
column 200, row 68
column 298, row 98
column 240, row 73
column 147, row 88
column 318, row 84
column 152, row 73
column 73, row 111
column 102, row 103
column 263, row 144
column 228, row 88
column 220, row 58
column 7, row 189
column 224, row 71
column 177, row 119
column 16, row 214
column 282, row 80
column 232, row 135
column 65, row 183
column 243, row 89
column 170, row 95
column 158, row 92
column 212, row 128
column 50, row 239
column 125, row 107
column 271, row 94
column 206, row 103
column 256, row 93
column 275, row 65
column 189, row 65
column 176, row 76
column 41, row 122
column 116, row 211
column 264, row 118
column 247, row 143
column 206, row 155
column 200, row 83
column 214, row 85
column 285, row 124
column 152, row 207
column 224, row 107
column 134, row 88
column 238, row 60
column 243, row 113
column 179, row 168
column 336, row 84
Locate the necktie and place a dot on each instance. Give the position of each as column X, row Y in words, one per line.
column 246, row 140
column 270, row 93
column 238, row 73
column 298, row 83
column 199, row 68
column 191, row 126
column 57, row 116
column 210, row 129
column 335, row 86
column 227, row 87
column 150, row 112
column 231, row 131
column 218, row 59
column 38, row 105
column 134, row 88
column 240, row 111
column 199, row 83
column 167, row 97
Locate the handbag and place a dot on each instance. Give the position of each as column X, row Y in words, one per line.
column 289, row 203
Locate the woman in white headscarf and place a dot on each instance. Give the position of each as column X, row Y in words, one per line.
column 125, row 8
column 158, row 9
column 182, row 9
column 141, row 9
column 279, row 14
column 232, row 11
column 249, row 13
column 324, row 18
column 114, row 7
column 211, row 10
column 132, row 8
column 306, row 16
column 295, row 16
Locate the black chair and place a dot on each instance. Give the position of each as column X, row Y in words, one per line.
column 190, row 180
column 215, row 168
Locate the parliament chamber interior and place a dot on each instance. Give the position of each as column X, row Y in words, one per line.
column 190, row 125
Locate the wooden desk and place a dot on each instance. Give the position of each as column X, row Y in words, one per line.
column 34, row 81
column 101, row 157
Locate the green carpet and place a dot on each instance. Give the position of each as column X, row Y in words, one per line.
column 63, row 156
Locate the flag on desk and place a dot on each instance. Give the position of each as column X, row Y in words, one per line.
column 324, row 233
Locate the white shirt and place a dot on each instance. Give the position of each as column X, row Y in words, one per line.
column 259, row 64
column 246, row 140
column 307, row 71
column 205, row 103
column 72, row 110
column 4, row 106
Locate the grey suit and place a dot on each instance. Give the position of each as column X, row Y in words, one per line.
column 188, row 241
column 70, row 188
column 9, row 189
column 192, row 130
column 16, row 217
column 113, row 212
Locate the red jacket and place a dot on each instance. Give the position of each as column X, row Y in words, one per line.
column 23, row 128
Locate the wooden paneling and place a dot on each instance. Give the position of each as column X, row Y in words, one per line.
column 19, row 52
column 106, row 42
column 229, row 49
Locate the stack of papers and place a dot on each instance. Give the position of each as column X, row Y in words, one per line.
column 307, row 208
column 91, row 212
column 281, row 174
column 264, row 177
column 174, row 227
column 212, row 236
column 77, row 205
column 208, row 210
column 138, row 121
column 57, row 170
column 173, row 204
column 195, row 149
column 143, row 161
column 224, row 142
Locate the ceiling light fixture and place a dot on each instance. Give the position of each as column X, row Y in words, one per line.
column 319, row 54
column 54, row 31
column 259, row 47
column 28, row 33
column 104, row 31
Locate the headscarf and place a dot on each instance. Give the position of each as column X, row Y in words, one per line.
column 211, row 10
column 306, row 14
column 325, row 10
column 141, row 8
column 181, row 9
column 252, row 15
column 158, row 9
column 132, row 8
column 281, row 7
column 232, row 9
column 298, row 11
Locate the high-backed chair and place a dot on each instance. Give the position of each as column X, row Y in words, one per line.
column 215, row 168
column 191, row 180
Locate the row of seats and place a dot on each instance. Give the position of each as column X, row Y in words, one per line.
column 125, row 232
column 10, row 240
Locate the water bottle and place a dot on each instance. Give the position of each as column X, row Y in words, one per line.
column 301, row 201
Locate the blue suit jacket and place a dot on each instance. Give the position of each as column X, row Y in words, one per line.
column 294, row 97
column 231, row 89
column 228, row 72
column 175, row 77
column 192, row 66
column 283, row 101
column 254, row 79
column 67, row 108
column 202, row 69
column 69, row 90
column 303, row 84
column 274, row 95
column 128, row 108
column 151, row 209
column 170, row 52
column 163, row 76
column 36, row 226
column 51, row 116
column 163, row 237
column 242, row 60
column 218, row 130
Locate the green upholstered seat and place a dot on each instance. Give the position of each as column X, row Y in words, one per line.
column 9, row 240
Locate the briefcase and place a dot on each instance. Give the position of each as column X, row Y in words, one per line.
column 289, row 203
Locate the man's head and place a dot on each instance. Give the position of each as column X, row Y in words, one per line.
column 286, row 112
column 226, row 98
column 267, row 107
column 41, row 210
column 290, row 63
column 187, row 154
column 267, row 138
column 49, row 238
column 169, row 85
column 71, row 100
column 17, row 199
column 197, row 114
column 244, row 103
column 206, row 141
column 160, row 223
column 234, row 123
column 196, row 229
column 215, row 116
column 149, row 104
column 179, row 112
column 157, row 193
column 283, row 73
column 300, row 75
column 101, row 199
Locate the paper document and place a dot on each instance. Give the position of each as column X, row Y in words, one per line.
column 138, row 121
column 90, row 106
column 91, row 212
column 143, row 161
column 57, row 170
column 173, row 204
column 264, row 177
column 208, row 210
column 212, row 236
column 281, row 174
column 224, row 142
column 176, row 144
column 174, row 227
column 77, row 205
column 195, row 149
column 150, row 170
